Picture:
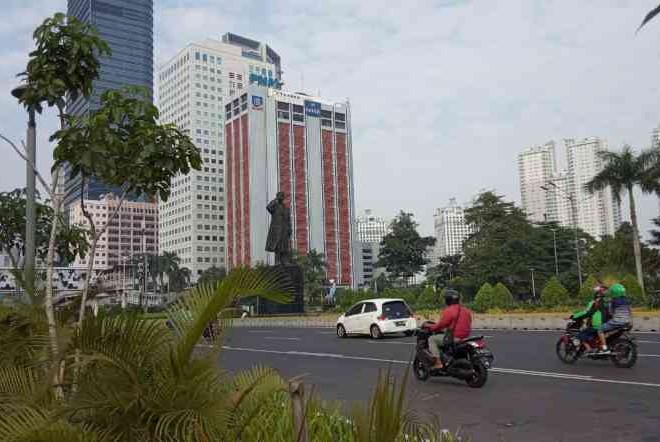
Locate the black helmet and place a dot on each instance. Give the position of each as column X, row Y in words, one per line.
column 452, row 297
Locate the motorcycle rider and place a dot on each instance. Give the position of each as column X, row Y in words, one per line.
column 619, row 311
column 456, row 320
column 595, row 313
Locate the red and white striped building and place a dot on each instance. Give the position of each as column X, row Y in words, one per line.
column 300, row 145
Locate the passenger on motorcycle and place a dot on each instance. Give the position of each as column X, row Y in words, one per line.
column 620, row 314
column 456, row 320
column 595, row 313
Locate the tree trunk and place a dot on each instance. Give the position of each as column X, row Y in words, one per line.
column 636, row 245
column 88, row 277
column 48, row 301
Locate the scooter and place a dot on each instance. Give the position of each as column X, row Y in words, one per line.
column 623, row 349
column 467, row 360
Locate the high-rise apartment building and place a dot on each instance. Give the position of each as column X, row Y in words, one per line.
column 299, row 145
column 133, row 231
column 536, row 166
column 193, row 87
column 655, row 137
column 598, row 214
column 127, row 26
column 451, row 230
column 370, row 231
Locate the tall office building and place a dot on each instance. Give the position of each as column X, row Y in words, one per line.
column 655, row 137
column 598, row 214
column 193, row 87
column 299, row 145
column 127, row 26
column 451, row 230
column 536, row 166
column 370, row 231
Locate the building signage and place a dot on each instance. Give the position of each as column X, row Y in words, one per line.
column 262, row 80
column 257, row 102
column 312, row 108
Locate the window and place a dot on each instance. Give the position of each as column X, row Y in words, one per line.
column 355, row 310
column 196, row 55
column 395, row 310
column 369, row 307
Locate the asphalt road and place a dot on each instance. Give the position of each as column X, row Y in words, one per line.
column 530, row 394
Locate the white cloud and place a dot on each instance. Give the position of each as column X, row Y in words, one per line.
column 444, row 93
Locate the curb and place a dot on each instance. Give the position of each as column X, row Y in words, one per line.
column 494, row 322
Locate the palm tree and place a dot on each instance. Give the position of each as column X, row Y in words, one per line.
column 179, row 279
column 314, row 269
column 622, row 171
column 169, row 264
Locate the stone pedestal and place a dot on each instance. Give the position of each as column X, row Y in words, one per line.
column 296, row 284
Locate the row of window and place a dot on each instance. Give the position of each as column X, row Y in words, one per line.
column 208, row 58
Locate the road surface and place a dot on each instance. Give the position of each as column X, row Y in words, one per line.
column 530, row 395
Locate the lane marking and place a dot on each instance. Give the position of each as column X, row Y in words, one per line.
column 650, row 356
column 282, row 338
column 649, row 342
column 260, row 331
column 546, row 374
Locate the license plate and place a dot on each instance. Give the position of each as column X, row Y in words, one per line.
column 400, row 323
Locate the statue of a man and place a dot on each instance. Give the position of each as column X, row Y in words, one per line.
column 279, row 233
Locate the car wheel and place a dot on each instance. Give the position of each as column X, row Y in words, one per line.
column 375, row 332
column 341, row 331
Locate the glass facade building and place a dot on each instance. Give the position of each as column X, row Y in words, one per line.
column 127, row 26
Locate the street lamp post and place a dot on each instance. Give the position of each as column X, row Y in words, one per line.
column 30, row 195
column 123, row 283
column 554, row 245
column 533, row 284
column 571, row 199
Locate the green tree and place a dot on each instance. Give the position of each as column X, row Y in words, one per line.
column 212, row 276
column 314, row 270
column 554, row 294
column 381, row 283
column 169, row 265
column 123, row 145
column 403, row 251
column 179, row 279
column 446, row 270
column 429, row 299
column 63, row 63
column 484, row 299
column 655, row 233
column 623, row 171
column 633, row 290
column 502, row 297
column 587, row 290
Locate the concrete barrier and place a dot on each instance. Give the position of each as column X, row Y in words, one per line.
column 645, row 323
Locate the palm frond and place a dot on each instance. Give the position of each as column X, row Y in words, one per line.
column 652, row 13
column 23, row 385
column 29, row 424
column 191, row 314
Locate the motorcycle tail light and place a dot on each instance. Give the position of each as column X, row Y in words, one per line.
column 480, row 344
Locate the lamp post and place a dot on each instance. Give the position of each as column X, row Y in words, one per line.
column 554, row 245
column 533, row 284
column 571, row 199
column 30, row 189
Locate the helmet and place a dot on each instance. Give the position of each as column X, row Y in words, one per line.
column 617, row 291
column 599, row 291
column 452, row 297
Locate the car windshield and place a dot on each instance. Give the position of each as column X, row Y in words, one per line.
column 396, row 310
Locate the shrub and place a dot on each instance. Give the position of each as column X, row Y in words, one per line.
column 554, row 294
column 502, row 297
column 634, row 291
column 430, row 300
column 484, row 299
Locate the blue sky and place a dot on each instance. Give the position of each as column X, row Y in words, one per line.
column 444, row 93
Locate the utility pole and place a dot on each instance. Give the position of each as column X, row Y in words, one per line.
column 554, row 244
column 30, row 195
column 533, row 285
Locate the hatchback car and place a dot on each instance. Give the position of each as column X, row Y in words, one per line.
column 377, row 317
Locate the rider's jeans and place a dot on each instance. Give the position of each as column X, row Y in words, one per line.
column 435, row 343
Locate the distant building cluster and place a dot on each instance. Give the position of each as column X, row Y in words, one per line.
column 552, row 195
column 371, row 230
column 451, row 231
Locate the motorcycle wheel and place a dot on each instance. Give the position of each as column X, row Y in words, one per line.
column 566, row 351
column 480, row 375
column 422, row 373
column 624, row 353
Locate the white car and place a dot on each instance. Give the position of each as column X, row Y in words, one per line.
column 377, row 317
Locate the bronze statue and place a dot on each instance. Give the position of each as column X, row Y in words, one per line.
column 279, row 233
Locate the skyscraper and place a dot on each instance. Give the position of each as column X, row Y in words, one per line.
column 536, row 166
column 370, row 232
column 655, row 137
column 598, row 214
column 193, row 87
column 451, row 230
column 299, row 145
column 127, row 26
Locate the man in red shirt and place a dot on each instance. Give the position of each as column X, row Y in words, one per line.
column 454, row 319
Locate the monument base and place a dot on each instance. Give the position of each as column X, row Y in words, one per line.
column 296, row 284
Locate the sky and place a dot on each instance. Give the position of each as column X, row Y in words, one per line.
column 444, row 93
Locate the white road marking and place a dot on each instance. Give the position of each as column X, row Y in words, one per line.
column 260, row 331
column 546, row 374
column 281, row 338
column 650, row 356
column 649, row 342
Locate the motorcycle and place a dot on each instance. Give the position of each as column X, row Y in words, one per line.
column 468, row 360
column 623, row 349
